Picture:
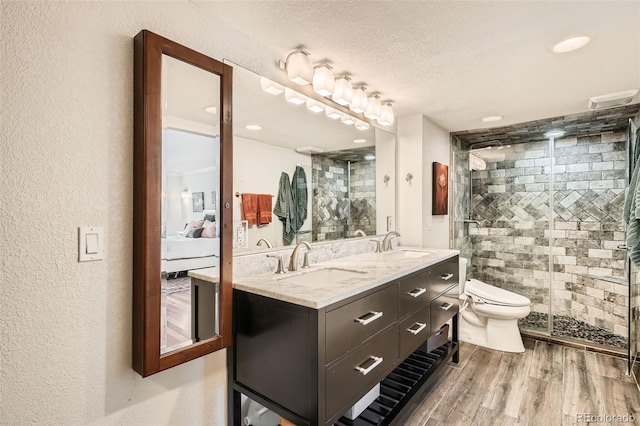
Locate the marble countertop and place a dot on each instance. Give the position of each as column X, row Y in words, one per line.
column 371, row 270
column 206, row 274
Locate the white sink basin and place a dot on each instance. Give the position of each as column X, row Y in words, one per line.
column 320, row 277
column 408, row 254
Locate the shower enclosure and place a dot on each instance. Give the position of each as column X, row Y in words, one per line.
column 543, row 218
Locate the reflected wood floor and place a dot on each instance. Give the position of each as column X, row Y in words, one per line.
column 546, row 385
column 175, row 320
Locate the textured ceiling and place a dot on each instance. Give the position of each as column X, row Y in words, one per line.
column 458, row 61
column 583, row 124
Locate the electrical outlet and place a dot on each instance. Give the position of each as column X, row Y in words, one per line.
column 240, row 235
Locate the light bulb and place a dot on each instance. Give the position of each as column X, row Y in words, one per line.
column 299, row 68
column 343, row 91
column 323, row 80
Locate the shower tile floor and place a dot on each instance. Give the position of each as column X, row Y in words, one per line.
column 570, row 327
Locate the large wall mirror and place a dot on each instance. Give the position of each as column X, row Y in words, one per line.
column 182, row 204
column 348, row 169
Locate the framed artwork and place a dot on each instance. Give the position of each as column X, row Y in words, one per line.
column 440, row 204
column 198, row 201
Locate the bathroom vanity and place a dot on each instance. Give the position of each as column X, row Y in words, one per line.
column 310, row 344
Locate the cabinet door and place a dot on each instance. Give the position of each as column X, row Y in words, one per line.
column 414, row 292
column 444, row 275
column 351, row 324
column 353, row 376
column 444, row 307
column 414, row 331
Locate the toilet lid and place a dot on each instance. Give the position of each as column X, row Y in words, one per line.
column 492, row 294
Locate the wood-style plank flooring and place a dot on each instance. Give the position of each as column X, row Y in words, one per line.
column 546, row 385
column 175, row 317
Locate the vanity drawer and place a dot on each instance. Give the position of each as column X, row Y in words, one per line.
column 414, row 331
column 444, row 307
column 444, row 275
column 351, row 324
column 413, row 293
column 360, row 370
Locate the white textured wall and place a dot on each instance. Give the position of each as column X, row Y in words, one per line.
column 435, row 140
column 66, row 144
column 420, row 143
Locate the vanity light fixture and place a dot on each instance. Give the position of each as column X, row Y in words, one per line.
column 299, row 68
column 359, row 141
column 271, row 86
column 374, row 108
column 254, row 127
column 347, row 119
column 386, row 115
column 294, row 97
column 343, row 91
column 571, row 44
column 359, row 102
column 211, row 109
column 492, row 118
column 362, row 125
column 323, row 80
column 314, row 106
column 332, row 113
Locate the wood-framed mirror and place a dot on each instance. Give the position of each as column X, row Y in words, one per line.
column 182, row 203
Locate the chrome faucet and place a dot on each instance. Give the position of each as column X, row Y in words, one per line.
column 293, row 261
column 386, row 242
column 359, row 232
column 279, row 268
column 267, row 242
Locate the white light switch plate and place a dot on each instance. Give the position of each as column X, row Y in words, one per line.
column 90, row 243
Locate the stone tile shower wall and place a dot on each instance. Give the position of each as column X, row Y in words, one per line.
column 589, row 199
column 511, row 248
column 461, row 204
column 362, row 185
column 341, row 202
column 511, row 201
column 330, row 203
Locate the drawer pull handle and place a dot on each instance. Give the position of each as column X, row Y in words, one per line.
column 446, row 277
column 417, row 292
column 377, row 361
column 369, row 317
column 415, row 331
column 446, row 306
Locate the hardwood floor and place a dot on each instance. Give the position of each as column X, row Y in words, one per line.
column 175, row 316
column 546, row 385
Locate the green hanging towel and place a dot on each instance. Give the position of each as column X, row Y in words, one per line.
column 300, row 197
column 285, row 210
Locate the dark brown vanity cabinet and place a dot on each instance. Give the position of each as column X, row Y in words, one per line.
column 311, row 365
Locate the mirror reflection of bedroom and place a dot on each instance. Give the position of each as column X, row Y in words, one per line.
column 190, row 198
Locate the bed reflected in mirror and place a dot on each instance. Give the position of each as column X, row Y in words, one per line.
column 190, row 235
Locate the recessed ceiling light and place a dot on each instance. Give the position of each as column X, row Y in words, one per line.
column 211, row 109
column 492, row 118
column 253, row 127
column 570, row 44
column 369, row 157
column 554, row 133
column 359, row 140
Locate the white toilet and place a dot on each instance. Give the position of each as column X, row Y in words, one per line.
column 489, row 315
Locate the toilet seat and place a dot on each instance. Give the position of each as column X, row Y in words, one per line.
column 494, row 295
